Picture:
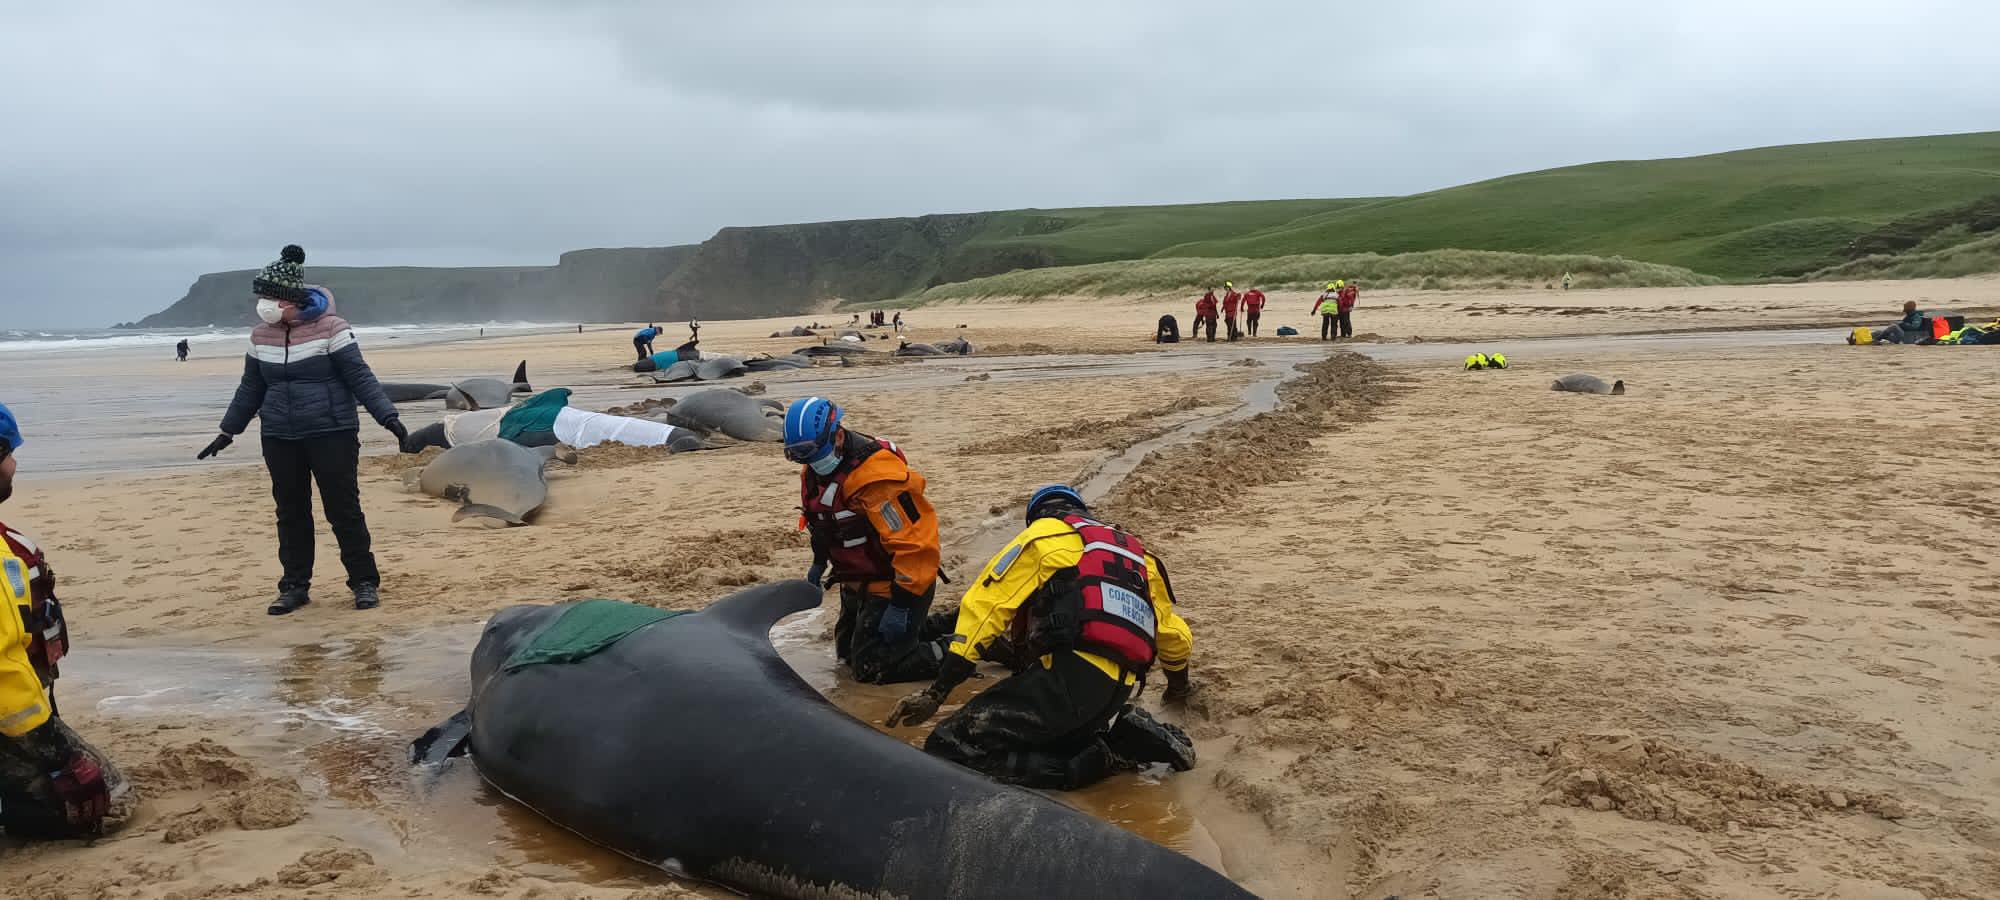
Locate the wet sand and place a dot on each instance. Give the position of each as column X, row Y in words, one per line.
column 1730, row 635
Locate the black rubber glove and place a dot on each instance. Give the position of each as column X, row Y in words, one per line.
column 395, row 427
column 1179, row 688
column 80, row 786
column 916, row 709
column 895, row 624
column 215, row 446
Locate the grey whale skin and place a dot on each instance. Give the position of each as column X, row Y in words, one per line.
column 692, row 746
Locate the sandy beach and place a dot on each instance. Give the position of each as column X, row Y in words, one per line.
column 1734, row 634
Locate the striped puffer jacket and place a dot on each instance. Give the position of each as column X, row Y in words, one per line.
column 302, row 379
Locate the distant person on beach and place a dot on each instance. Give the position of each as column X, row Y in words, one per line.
column 302, row 380
column 1231, row 300
column 1349, row 293
column 1168, row 331
column 694, row 329
column 181, row 350
column 1327, row 308
column 899, row 320
column 642, row 340
column 1204, row 316
column 1565, row 281
column 53, row 784
column 1253, row 308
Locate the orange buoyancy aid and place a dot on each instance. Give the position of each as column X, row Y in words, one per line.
column 844, row 537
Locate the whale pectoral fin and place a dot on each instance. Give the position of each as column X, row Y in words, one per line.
column 445, row 740
column 757, row 609
column 481, row 510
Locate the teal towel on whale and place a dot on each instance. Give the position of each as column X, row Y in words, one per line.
column 585, row 629
column 537, row 413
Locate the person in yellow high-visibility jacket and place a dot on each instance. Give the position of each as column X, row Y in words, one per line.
column 1093, row 613
column 52, row 783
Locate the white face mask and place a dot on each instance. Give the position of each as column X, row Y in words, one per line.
column 269, row 311
column 826, row 464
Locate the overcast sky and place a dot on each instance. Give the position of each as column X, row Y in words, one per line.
column 144, row 143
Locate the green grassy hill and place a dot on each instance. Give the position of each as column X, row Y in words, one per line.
column 1771, row 212
column 789, row 268
column 1423, row 270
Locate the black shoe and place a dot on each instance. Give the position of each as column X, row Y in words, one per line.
column 1140, row 737
column 367, row 596
column 289, row 599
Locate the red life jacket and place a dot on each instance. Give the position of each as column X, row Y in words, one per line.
column 1254, row 301
column 1111, row 599
column 1205, row 307
column 42, row 618
column 1230, row 301
column 841, row 536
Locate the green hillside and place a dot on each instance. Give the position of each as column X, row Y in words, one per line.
column 1424, row 270
column 789, row 268
column 1772, row 212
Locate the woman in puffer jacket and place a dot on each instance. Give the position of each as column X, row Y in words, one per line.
column 301, row 378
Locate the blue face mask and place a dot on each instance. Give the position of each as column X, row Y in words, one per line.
column 826, row 464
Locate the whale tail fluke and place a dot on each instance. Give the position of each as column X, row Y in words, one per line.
column 444, row 741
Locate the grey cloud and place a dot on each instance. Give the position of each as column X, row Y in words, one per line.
column 162, row 140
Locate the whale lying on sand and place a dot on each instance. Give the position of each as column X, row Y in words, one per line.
column 733, row 413
column 494, row 479
column 1586, row 384
column 778, row 363
column 472, row 393
column 832, row 350
column 688, row 744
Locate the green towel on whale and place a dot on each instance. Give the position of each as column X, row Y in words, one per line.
column 584, row 629
column 537, row 413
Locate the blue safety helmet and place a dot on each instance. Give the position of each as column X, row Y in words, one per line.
column 809, row 428
column 1061, row 492
column 10, row 432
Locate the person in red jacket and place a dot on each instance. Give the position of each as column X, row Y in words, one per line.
column 1204, row 314
column 1230, row 301
column 1253, row 307
column 1348, row 294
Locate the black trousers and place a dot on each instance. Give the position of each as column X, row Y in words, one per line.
column 642, row 347
column 1346, row 324
column 29, row 807
column 331, row 460
column 857, row 640
column 1042, row 728
column 1233, row 331
column 1328, row 326
column 1250, row 322
column 1205, row 322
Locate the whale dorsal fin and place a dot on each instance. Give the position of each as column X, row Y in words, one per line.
column 757, row 609
column 521, row 373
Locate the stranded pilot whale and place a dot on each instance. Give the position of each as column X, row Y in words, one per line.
column 690, row 745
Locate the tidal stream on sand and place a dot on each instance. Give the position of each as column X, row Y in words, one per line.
column 342, row 710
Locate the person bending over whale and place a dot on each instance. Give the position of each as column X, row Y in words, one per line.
column 1095, row 612
column 875, row 535
column 52, row 784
